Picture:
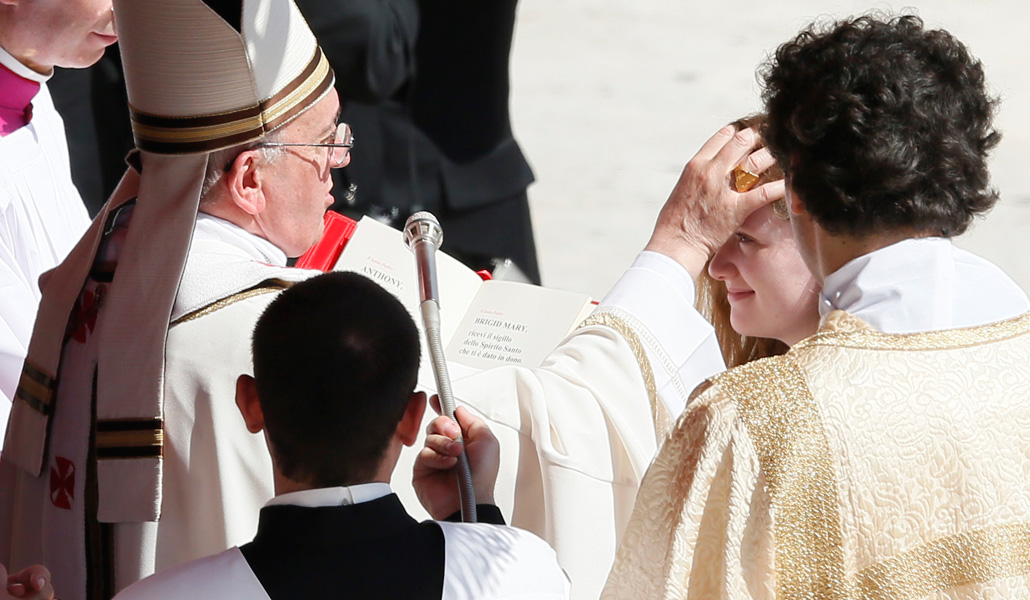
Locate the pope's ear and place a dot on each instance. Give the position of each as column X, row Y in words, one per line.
column 244, row 181
column 247, row 402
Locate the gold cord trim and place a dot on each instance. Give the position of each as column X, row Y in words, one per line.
column 949, row 339
column 198, row 134
column 122, row 439
column 304, row 90
column 956, row 560
column 787, row 430
column 36, row 389
column 207, row 132
column 659, row 414
column 265, row 287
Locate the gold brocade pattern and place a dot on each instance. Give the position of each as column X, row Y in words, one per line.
column 858, row 465
column 787, row 430
column 265, row 287
column 660, row 415
column 956, row 560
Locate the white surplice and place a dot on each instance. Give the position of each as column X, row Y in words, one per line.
column 862, row 463
column 41, row 218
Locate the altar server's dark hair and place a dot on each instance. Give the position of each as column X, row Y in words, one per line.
column 335, row 363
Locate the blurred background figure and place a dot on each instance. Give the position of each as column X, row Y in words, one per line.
column 431, row 120
column 96, row 121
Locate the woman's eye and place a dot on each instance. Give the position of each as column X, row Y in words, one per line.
column 743, row 238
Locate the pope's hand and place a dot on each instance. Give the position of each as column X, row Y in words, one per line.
column 704, row 209
column 435, row 481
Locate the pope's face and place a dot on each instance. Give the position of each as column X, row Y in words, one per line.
column 771, row 292
column 63, row 33
column 298, row 183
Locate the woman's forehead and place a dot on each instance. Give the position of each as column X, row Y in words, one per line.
column 764, row 219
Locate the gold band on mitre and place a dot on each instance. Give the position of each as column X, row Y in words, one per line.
column 208, row 133
column 744, row 180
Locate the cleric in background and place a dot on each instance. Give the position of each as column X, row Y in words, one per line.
column 41, row 214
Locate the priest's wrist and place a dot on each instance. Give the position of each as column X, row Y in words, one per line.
column 690, row 254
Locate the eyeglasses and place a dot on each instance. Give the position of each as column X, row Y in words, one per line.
column 343, row 141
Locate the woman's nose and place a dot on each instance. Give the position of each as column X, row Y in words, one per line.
column 721, row 265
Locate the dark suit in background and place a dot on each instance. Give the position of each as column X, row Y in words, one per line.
column 442, row 140
column 95, row 109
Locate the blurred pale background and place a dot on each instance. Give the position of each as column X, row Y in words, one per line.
column 610, row 98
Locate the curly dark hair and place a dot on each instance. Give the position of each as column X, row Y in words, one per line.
column 881, row 125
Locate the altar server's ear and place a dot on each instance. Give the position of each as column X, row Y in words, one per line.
column 410, row 424
column 247, row 402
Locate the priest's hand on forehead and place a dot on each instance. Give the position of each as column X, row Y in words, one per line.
column 705, row 207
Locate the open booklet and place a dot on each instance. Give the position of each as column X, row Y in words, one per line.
column 483, row 323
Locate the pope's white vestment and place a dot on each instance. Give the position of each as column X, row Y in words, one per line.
column 577, row 433
column 216, row 474
column 885, row 457
column 41, row 218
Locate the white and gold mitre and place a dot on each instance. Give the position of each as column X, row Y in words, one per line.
column 205, row 75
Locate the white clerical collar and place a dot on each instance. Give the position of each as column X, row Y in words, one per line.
column 260, row 249
column 21, row 70
column 922, row 284
column 334, row 496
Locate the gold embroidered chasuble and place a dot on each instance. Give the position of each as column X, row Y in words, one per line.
column 858, row 465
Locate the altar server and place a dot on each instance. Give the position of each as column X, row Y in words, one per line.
column 335, row 368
